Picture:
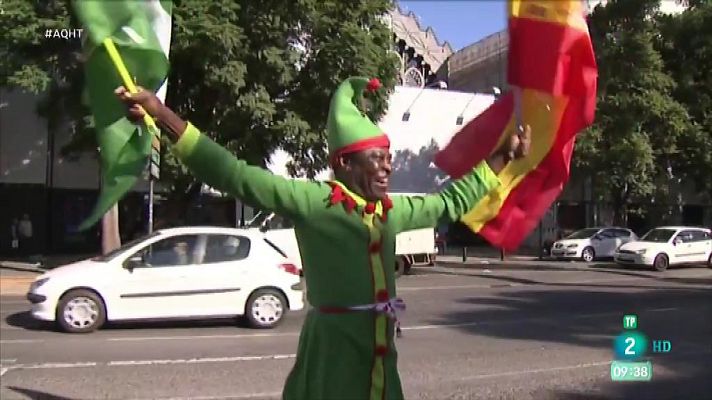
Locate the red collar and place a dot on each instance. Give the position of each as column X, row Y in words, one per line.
column 350, row 200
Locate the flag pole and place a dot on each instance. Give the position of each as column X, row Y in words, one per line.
column 147, row 119
column 150, row 205
column 126, row 78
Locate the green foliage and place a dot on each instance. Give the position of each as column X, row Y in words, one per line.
column 254, row 75
column 415, row 172
column 639, row 127
column 49, row 66
column 686, row 48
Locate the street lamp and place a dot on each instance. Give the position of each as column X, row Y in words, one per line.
column 440, row 85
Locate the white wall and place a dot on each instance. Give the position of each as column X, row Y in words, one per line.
column 433, row 115
column 23, row 139
column 23, row 148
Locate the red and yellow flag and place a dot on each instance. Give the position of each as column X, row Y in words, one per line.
column 553, row 72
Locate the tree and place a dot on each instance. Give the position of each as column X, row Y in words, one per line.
column 639, row 125
column 269, row 68
column 254, row 75
column 50, row 66
column 686, row 48
column 415, row 173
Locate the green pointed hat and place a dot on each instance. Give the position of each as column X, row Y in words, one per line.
column 348, row 129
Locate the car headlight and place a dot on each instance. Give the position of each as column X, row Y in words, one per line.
column 39, row 282
column 641, row 251
column 572, row 246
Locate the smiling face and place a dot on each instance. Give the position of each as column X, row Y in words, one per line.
column 366, row 172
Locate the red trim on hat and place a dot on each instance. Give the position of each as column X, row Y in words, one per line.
column 378, row 141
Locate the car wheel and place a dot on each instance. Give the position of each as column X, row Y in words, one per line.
column 588, row 254
column 661, row 262
column 265, row 309
column 80, row 311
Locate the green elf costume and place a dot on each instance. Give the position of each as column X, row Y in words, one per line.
column 346, row 348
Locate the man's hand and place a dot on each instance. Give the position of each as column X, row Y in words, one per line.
column 515, row 147
column 140, row 103
column 519, row 143
column 143, row 102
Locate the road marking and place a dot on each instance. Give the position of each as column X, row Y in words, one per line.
column 3, row 370
column 520, row 320
column 152, row 362
column 230, row 397
column 55, row 365
column 236, row 336
column 405, row 328
column 531, row 371
column 503, row 322
column 203, row 360
column 499, row 285
column 18, row 341
column 418, row 288
column 7, row 360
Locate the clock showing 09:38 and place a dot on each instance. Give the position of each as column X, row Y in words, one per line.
column 630, row 346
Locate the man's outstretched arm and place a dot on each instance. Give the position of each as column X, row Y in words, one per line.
column 463, row 194
column 217, row 167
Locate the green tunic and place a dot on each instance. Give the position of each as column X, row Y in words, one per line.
column 345, row 244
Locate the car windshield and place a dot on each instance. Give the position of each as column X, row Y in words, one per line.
column 658, row 235
column 114, row 253
column 583, row 234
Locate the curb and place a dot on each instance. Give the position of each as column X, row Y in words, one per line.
column 20, row 266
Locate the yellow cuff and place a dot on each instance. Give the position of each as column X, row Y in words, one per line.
column 185, row 145
column 485, row 173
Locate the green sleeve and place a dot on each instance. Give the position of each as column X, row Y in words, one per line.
column 256, row 187
column 461, row 196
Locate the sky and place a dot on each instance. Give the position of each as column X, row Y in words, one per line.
column 459, row 22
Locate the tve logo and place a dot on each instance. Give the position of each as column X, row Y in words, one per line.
column 661, row 346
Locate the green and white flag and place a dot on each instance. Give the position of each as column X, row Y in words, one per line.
column 141, row 31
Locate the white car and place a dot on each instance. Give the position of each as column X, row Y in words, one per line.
column 668, row 245
column 591, row 243
column 188, row 272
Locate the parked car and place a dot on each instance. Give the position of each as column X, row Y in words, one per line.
column 668, row 245
column 186, row 272
column 591, row 243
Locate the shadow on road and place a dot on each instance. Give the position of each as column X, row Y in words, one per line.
column 24, row 320
column 37, row 395
column 592, row 317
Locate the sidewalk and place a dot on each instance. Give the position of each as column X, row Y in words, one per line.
column 42, row 263
column 478, row 253
column 16, row 282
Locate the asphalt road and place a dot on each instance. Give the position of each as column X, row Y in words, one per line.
column 515, row 332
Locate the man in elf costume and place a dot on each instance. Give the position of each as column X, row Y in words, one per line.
column 346, row 231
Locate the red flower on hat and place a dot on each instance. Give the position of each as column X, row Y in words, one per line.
column 373, row 85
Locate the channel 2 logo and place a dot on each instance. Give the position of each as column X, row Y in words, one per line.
column 630, row 345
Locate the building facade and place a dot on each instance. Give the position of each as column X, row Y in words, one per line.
column 422, row 56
